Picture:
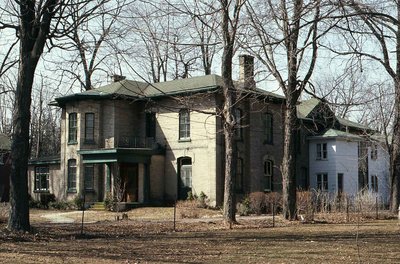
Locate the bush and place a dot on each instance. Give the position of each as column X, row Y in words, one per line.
column 78, row 201
column 202, row 200
column 273, row 200
column 110, row 202
column 257, row 202
column 61, row 205
column 243, row 207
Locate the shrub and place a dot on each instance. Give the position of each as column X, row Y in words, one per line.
column 202, row 200
column 61, row 205
column 257, row 202
column 188, row 209
column 78, row 201
column 46, row 199
column 243, row 207
column 110, row 202
column 273, row 200
column 305, row 205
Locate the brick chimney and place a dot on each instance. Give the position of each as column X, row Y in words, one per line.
column 246, row 71
column 118, row 78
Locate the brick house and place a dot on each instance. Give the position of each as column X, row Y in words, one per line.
column 159, row 141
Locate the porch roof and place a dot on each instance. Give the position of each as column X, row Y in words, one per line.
column 127, row 155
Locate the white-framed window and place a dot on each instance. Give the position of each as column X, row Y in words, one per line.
column 374, row 183
column 268, row 175
column 184, row 124
column 322, row 151
column 322, row 181
column 42, row 180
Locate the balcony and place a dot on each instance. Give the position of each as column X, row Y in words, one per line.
column 138, row 142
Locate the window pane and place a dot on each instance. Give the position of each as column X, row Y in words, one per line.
column 72, row 174
column 42, row 178
column 89, row 127
column 89, row 177
column 184, row 124
column 268, row 128
column 268, row 174
column 72, row 127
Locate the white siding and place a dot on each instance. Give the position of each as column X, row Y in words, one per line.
column 342, row 158
column 380, row 168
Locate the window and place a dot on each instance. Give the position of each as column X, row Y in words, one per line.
column 185, row 177
column 184, row 124
column 374, row 151
column 72, row 175
column 89, row 176
column 374, row 183
column 268, row 128
column 72, row 128
column 322, row 151
column 268, row 173
column 239, row 175
column 89, row 128
column 238, row 119
column 151, row 125
column 322, row 181
column 42, row 178
column 340, row 182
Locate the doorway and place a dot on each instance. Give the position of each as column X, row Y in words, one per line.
column 130, row 182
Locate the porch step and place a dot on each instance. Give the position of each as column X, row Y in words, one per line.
column 98, row 206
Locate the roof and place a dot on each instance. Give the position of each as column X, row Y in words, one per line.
column 5, row 142
column 348, row 123
column 335, row 134
column 306, row 107
column 139, row 90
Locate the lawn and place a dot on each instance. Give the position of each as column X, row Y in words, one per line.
column 205, row 240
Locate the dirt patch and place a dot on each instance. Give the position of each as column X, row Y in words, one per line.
column 204, row 240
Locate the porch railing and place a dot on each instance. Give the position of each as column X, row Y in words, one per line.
column 137, row 142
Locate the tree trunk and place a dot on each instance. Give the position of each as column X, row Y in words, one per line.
column 289, row 162
column 19, row 213
column 395, row 157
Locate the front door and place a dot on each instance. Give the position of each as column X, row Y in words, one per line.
column 129, row 176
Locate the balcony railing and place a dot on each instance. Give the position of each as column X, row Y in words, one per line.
column 137, row 142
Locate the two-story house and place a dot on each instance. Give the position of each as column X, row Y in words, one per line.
column 156, row 142
column 343, row 156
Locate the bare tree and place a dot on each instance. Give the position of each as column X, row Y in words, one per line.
column 39, row 23
column 377, row 25
column 287, row 33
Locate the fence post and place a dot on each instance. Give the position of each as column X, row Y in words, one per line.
column 347, row 208
column 273, row 214
column 175, row 216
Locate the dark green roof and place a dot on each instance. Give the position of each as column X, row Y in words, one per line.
column 138, row 90
column 333, row 133
column 5, row 142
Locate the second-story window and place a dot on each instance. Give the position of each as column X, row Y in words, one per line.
column 322, row 151
column 184, row 124
column 89, row 127
column 268, row 128
column 72, row 128
column 238, row 119
column 374, row 151
column 239, row 175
